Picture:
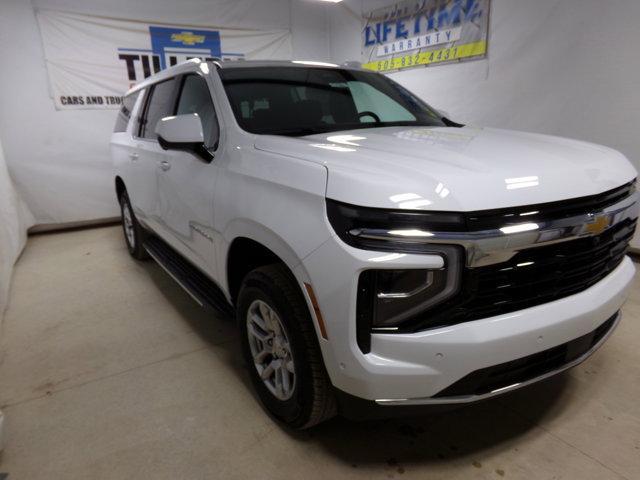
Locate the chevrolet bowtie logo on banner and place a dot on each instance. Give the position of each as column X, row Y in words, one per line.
column 187, row 38
column 170, row 46
column 93, row 61
column 415, row 33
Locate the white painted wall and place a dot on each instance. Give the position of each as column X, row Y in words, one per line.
column 561, row 67
column 68, row 174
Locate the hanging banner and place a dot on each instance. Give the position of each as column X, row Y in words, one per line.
column 415, row 33
column 92, row 61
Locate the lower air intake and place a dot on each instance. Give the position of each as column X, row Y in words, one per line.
column 527, row 368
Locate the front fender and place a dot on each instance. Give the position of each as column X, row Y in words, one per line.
column 245, row 228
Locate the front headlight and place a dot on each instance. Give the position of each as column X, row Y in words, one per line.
column 390, row 230
column 392, row 298
column 389, row 300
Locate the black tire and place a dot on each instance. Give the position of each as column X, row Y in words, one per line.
column 136, row 239
column 312, row 400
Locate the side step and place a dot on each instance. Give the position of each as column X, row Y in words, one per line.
column 201, row 288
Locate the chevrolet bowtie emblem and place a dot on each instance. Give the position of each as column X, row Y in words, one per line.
column 599, row 224
column 187, row 38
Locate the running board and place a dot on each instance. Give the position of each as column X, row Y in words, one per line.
column 200, row 287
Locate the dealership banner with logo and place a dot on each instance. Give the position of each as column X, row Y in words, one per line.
column 415, row 33
column 92, row 60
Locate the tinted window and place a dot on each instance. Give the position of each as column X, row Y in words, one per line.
column 195, row 98
column 159, row 105
column 125, row 112
column 302, row 101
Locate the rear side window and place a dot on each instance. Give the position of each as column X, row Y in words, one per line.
column 159, row 104
column 195, row 98
column 124, row 115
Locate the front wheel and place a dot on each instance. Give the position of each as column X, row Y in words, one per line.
column 281, row 349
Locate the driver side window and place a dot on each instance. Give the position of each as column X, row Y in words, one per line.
column 195, row 98
column 159, row 105
column 369, row 99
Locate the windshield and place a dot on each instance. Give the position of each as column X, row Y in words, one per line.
column 302, row 101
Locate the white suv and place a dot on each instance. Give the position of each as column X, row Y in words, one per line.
column 375, row 253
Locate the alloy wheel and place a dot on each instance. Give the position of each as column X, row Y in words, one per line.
column 127, row 220
column 271, row 350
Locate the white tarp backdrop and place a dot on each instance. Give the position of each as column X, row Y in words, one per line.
column 92, row 61
column 414, row 33
column 14, row 221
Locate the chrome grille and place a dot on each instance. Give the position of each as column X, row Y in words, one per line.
column 532, row 277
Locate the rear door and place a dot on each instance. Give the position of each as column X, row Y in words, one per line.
column 159, row 102
column 123, row 150
column 186, row 180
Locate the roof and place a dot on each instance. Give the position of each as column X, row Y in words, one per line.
column 275, row 63
column 194, row 63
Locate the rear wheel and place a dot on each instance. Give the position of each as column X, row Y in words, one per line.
column 133, row 231
column 281, row 349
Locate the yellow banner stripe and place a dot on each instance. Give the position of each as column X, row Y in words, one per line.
column 432, row 56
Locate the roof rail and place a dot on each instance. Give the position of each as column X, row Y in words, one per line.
column 215, row 61
column 352, row 64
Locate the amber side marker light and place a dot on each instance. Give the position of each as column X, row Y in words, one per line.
column 316, row 309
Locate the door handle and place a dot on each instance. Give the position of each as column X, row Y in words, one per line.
column 133, row 156
column 164, row 165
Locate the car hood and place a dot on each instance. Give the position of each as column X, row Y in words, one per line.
column 455, row 169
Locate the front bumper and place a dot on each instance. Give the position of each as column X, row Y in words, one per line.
column 412, row 368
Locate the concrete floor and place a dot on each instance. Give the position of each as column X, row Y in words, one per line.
column 109, row 370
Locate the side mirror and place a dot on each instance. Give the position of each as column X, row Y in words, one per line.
column 182, row 132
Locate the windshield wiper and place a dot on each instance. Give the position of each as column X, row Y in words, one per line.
column 303, row 131
column 295, row 132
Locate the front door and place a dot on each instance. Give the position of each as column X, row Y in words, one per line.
column 186, row 180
